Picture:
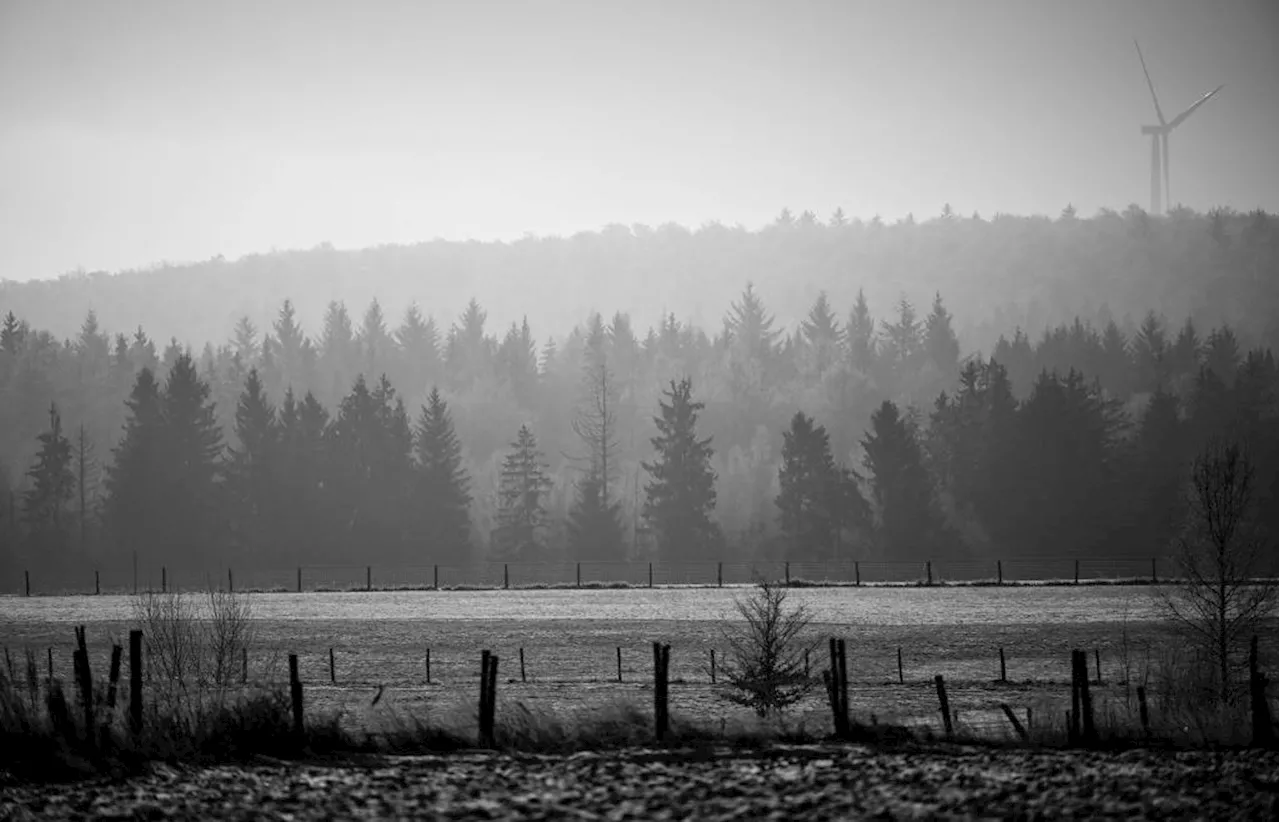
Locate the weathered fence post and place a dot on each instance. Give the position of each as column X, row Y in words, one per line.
column 844, row 687
column 333, row 674
column 506, row 579
column 428, row 666
column 1154, row 579
column 84, row 683
column 943, row 704
column 1013, row 720
column 97, row 583
column 491, row 712
column 231, row 583
column 1073, row 721
column 522, row 678
column 135, row 681
column 1003, row 678
column 999, row 572
column 1077, row 572
column 900, row 679
column 435, row 577
column 837, row 687
column 857, row 574
column 661, row 665
column 299, row 579
column 50, row 649
column 786, row 567
column 164, row 580
column 1263, row 735
column 368, row 577
column 295, row 694
column 719, row 574
column 483, row 740
column 650, row 574
column 713, row 666
column 27, row 576
column 619, row 663
column 244, row 666
column 1097, row 665
column 928, row 569
column 579, row 574
column 113, row 680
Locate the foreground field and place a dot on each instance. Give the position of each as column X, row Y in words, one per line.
column 812, row 783
column 571, row 640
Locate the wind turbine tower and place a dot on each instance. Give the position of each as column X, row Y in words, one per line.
column 1160, row 140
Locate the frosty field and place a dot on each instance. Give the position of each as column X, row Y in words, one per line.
column 570, row 641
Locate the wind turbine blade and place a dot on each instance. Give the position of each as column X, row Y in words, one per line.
column 1150, row 85
column 1164, row 157
column 1197, row 104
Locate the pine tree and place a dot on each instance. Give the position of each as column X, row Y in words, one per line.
column 910, row 522
column 940, row 341
column 53, row 485
column 135, row 478
column 1151, row 354
column 522, row 486
column 861, row 336
column 191, row 461
column 444, row 487
column 681, row 496
column 822, row 336
column 86, row 470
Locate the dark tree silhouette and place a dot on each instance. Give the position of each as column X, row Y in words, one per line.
column 681, row 496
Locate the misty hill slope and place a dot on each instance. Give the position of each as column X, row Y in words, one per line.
column 995, row 274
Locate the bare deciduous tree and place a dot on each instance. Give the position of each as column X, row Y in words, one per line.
column 1221, row 600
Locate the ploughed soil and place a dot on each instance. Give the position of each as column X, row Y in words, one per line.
column 809, row 783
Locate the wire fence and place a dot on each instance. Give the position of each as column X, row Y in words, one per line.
column 112, row 579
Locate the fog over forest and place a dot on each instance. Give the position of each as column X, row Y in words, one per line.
column 477, row 282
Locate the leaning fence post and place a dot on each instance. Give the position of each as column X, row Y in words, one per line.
column 113, row 681
column 1013, row 720
column 135, row 681
column 295, row 694
column 1097, row 664
column 844, row 687
column 943, row 704
column 50, row 649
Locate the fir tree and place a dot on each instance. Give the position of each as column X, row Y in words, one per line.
column 192, row 448
column 822, row 336
column 522, row 486
column 817, row 499
column 53, row 485
column 940, row 340
column 444, row 487
column 251, row 469
column 135, row 478
column 861, row 336
column 682, row 495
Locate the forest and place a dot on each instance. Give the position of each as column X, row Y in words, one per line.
column 1043, row 425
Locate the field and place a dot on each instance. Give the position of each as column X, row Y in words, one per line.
column 570, row 640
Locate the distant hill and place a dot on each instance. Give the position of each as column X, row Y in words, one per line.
column 995, row 274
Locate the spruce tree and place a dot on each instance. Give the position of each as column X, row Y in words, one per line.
column 910, row 522
column 251, row 470
column 193, row 447
column 940, row 341
column 444, row 496
column 44, row 504
column 681, row 496
column 817, row 499
column 135, row 478
column 521, row 488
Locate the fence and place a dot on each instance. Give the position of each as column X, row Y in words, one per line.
column 516, row 575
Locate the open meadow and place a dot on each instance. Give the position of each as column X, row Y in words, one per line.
column 572, row 642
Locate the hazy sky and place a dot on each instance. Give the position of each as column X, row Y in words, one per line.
column 132, row 132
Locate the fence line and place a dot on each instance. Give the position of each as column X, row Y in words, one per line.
column 87, row 579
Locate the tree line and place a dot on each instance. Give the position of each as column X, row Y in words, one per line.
column 744, row 451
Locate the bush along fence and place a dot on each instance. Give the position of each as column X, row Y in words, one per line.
column 527, row 575
column 98, row 715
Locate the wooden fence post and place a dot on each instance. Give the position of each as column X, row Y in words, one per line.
column 113, row 681
column 333, row 674
column 1013, row 720
column 435, row 577
column 97, row 583
column 50, row 649
column 943, row 704
column 999, row 572
column 1097, row 665
column 491, row 713
column 299, row 579
column 27, row 576
column 295, row 694
column 1003, row 678
column 1073, row 721
column 713, row 666
column 522, row 678
column 1142, row 711
column 928, row 569
column 244, row 666
column 650, row 574
column 1077, row 572
column 428, row 666
column 368, row 577
column 901, row 681
column 506, row 579
column 231, row 583
column 719, row 574
column 484, row 699
column 1154, row 579
column 857, row 574
column 164, row 580
column 135, row 681
column 806, row 663
column 844, row 687
column 619, row 663
column 1263, row 735
column 661, row 666
column 787, row 571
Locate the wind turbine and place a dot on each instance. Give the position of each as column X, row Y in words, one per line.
column 1160, row 138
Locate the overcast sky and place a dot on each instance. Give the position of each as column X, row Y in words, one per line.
column 132, row 132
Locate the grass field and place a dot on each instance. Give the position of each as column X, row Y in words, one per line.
column 570, row 641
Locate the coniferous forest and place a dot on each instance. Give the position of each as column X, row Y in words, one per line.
column 1012, row 388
